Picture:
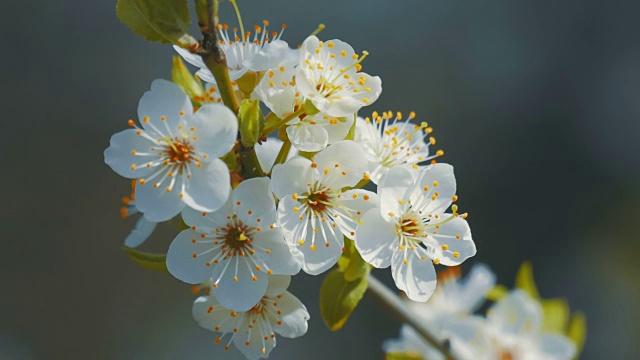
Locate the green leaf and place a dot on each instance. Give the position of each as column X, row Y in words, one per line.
column 577, row 331
column 251, row 122
column 525, row 281
column 497, row 293
column 556, row 315
column 357, row 268
column 403, row 356
column 165, row 21
column 339, row 297
column 156, row 262
column 352, row 130
column 345, row 258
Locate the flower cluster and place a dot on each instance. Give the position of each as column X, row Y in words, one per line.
column 512, row 328
column 245, row 235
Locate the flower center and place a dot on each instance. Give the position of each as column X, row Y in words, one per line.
column 506, row 355
column 318, row 201
column 410, row 227
column 178, row 152
column 236, row 235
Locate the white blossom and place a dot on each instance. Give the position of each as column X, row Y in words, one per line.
column 278, row 91
column 388, row 142
column 254, row 331
column 265, row 51
column 512, row 330
column 328, row 75
column 410, row 229
column 314, row 211
column 268, row 150
column 174, row 155
column 143, row 228
column 236, row 246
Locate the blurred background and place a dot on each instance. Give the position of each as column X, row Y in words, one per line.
column 534, row 102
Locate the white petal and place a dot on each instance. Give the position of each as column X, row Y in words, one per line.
column 276, row 92
column 294, row 316
column 255, row 340
column 252, row 200
column 455, row 236
column 417, row 278
column 475, row 287
column 412, row 342
column 216, row 128
column 267, row 152
column 281, row 257
column 357, row 202
column 376, row 239
column 306, row 137
column 191, row 58
column 181, row 262
column 320, row 257
column 291, row 177
column 164, row 100
column 339, row 130
column 156, row 203
column 121, row 158
column 556, row 347
column 212, row 316
column 270, row 56
column 469, row 339
column 209, row 186
column 343, row 162
column 237, row 289
column 394, row 186
column 437, row 178
column 208, row 222
column 206, row 75
column 140, row 233
column 516, row 314
column 278, row 284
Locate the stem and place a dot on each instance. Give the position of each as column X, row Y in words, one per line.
column 283, row 153
column 281, row 122
column 250, row 164
column 215, row 59
column 397, row 308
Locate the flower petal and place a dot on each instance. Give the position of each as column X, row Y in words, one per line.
column 306, row 137
column 208, row 222
column 352, row 204
column 215, row 131
column 278, row 255
column 212, row 316
column 394, row 186
column 278, row 284
column 340, row 129
column 376, row 239
column 140, row 233
column 556, row 347
column 276, row 92
column 516, row 314
column 156, row 203
column 294, row 316
column 451, row 241
column 253, row 202
column 128, row 153
column 291, row 177
column 165, row 101
column 191, row 58
column 435, row 188
column 270, row 56
column 416, row 277
column 342, row 164
column 209, row 186
column 268, row 150
column 188, row 257
column 239, row 286
column 253, row 343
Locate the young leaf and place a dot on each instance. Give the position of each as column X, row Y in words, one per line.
column 525, row 281
column 339, row 297
column 357, row 268
column 187, row 82
column 156, row 262
column 556, row 315
column 403, row 356
column 165, row 21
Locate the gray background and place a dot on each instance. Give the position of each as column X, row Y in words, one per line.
column 534, row 102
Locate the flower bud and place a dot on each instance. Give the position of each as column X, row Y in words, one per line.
column 251, row 122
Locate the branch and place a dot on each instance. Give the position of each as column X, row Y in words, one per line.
column 397, row 308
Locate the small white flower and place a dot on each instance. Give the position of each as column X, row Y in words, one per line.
column 389, row 142
column 175, row 153
column 236, row 246
column 329, row 76
column 512, row 330
column 314, row 212
column 411, row 228
column 411, row 343
column 265, row 51
column 253, row 332
column 268, row 150
column 278, row 91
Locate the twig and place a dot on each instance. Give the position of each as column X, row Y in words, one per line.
column 397, row 308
